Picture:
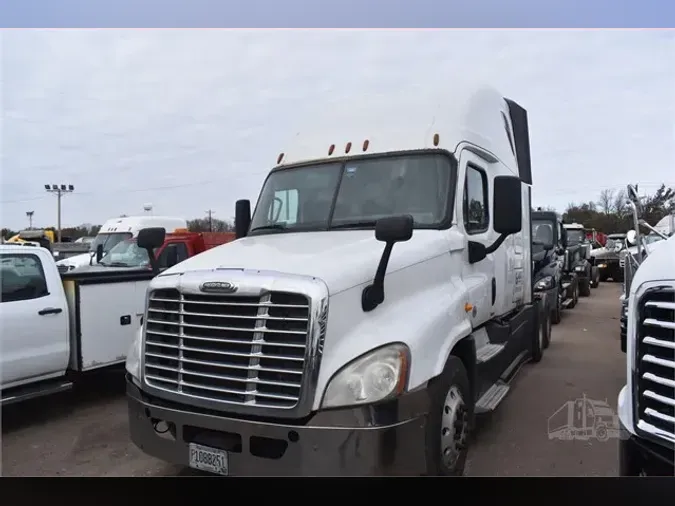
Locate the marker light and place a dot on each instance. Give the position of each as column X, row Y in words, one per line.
column 437, row 139
column 331, row 148
column 348, row 147
column 365, row 144
column 280, row 157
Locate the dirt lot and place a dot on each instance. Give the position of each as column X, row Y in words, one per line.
column 85, row 433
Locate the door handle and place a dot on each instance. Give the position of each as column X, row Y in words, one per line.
column 50, row 310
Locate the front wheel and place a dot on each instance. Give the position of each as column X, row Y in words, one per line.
column 451, row 416
column 584, row 288
column 556, row 313
column 595, row 277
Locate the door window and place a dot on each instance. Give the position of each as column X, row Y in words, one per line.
column 22, row 277
column 476, row 214
column 181, row 254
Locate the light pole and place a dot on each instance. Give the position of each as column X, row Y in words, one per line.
column 60, row 191
column 30, row 219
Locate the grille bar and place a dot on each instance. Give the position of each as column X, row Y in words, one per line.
column 655, row 362
column 231, row 349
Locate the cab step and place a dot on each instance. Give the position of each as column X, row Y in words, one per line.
column 27, row 392
column 567, row 302
column 487, row 352
column 566, row 285
column 491, row 399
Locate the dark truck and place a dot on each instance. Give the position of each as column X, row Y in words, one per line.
column 549, row 256
column 579, row 254
column 607, row 259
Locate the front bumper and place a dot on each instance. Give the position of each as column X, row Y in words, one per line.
column 638, row 456
column 386, row 439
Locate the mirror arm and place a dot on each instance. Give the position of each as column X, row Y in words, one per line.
column 373, row 294
column 495, row 245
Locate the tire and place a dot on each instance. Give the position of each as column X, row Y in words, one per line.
column 595, row 277
column 547, row 327
column 603, row 277
column 450, row 420
column 601, row 433
column 585, row 288
column 538, row 336
column 556, row 313
column 575, row 295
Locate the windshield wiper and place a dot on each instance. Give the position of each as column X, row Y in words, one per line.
column 354, row 224
column 117, row 264
column 276, row 226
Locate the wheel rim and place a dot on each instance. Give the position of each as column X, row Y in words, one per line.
column 453, row 427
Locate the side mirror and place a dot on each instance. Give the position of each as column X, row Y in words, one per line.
column 507, row 213
column 394, row 229
column 563, row 239
column 631, row 237
column 242, row 218
column 389, row 231
column 151, row 238
column 99, row 253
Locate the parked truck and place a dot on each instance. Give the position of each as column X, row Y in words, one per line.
column 56, row 327
column 117, row 230
column 607, row 259
column 378, row 299
column 580, row 248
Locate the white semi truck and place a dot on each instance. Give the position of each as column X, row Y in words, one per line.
column 647, row 401
column 380, row 297
column 115, row 231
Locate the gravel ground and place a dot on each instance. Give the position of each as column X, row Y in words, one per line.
column 84, row 433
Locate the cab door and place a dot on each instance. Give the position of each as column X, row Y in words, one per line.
column 33, row 319
column 474, row 218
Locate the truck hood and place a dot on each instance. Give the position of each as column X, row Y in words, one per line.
column 658, row 266
column 77, row 260
column 341, row 258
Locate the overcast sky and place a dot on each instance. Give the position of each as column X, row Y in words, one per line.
column 191, row 120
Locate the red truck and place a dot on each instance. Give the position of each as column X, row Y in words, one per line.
column 597, row 239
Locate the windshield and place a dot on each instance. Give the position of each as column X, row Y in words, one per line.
column 108, row 241
column 126, row 254
column 575, row 236
column 356, row 193
column 542, row 233
column 652, row 237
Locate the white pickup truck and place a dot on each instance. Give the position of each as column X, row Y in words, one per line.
column 53, row 326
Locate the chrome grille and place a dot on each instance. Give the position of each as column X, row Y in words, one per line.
column 655, row 364
column 231, row 349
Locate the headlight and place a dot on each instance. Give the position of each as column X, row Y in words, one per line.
column 133, row 363
column 378, row 374
column 544, row 283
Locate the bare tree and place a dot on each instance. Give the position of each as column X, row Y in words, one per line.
column 606, row 201
column 620, row 206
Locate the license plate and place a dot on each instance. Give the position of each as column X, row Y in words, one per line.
column 208, row 459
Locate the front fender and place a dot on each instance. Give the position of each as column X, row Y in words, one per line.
column 422, row 308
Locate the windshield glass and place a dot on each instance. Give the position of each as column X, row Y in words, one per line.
column 542, row 233
column 652, row 237
column 575, row 236
column 108, row 241
column 126, row 254
column 361, row 191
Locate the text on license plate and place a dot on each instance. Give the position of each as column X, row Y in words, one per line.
column 208, row 459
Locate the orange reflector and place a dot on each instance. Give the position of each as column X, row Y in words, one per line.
column 181, row 231
column 365, row 144
column 437, row 139
column 468, row 307
column 331, row 149
column 280, row 157
column 348, row 147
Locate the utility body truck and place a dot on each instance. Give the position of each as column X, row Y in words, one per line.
column 57, row 326
column 116, row 230
column 647, row 401
column 378, row 299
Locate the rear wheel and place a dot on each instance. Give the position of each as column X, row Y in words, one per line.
column 451, row 414
column 585, row 287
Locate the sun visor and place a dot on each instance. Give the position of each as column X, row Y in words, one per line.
column 521, row 134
